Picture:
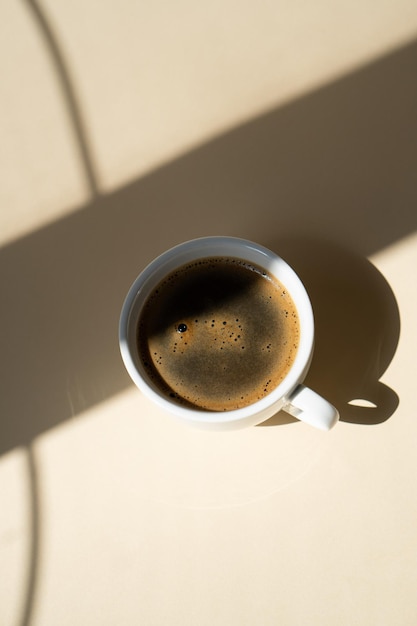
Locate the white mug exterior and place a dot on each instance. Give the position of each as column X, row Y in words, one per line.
column 290, row 395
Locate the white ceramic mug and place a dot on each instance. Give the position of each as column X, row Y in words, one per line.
column 290, row 395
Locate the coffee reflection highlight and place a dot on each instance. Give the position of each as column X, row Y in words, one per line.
column 218, row 334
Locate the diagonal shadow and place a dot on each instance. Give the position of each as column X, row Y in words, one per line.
column 335, row 166
column 338, row 164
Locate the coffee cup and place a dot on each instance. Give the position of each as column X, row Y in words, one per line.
column 219, row 332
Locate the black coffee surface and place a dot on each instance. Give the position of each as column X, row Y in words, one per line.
column 218, row 334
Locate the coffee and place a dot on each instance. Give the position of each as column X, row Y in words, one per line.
column 218, row 334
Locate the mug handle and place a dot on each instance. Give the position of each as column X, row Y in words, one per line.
column 307, row 406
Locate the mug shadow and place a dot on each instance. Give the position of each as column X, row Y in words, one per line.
column 63, row 286
column 328, row 165
column 357, row 324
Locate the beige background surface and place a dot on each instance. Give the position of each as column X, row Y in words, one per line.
column 126, row 128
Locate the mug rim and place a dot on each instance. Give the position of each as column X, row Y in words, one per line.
column 206, row 247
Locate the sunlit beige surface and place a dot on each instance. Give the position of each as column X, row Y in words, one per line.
column 129, row 127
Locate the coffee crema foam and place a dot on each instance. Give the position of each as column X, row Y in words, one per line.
column 218, row 334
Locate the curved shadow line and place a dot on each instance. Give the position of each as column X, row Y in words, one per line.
column 34, row 547
column 69, row 98
column 78, row 126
